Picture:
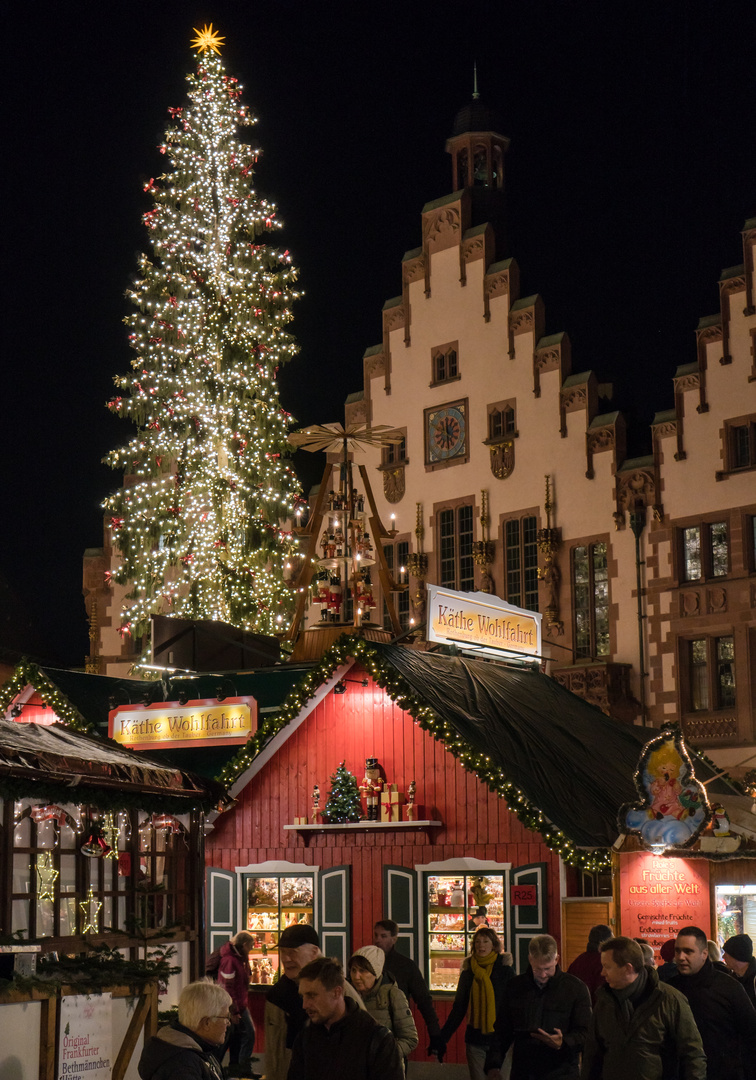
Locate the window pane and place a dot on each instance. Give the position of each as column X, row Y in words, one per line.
column 725, row 672
column 692, row 554
column 446, row 548
column 466, row 562
column 530, row 562
column 440, row 367
column 509, row 421
column 740, row 447
column 581, row 593
column 451, row 364
column 699, row 676
column 719, row 557
column 601, row 599
column 495, row 420
column 402, row 577
column 513, row 563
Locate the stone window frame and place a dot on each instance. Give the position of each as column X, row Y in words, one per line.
column 728, row 445
column 507, row 433
column 395, row 454
column 714, row 703
column 704, row 524
column 454, row 505
column 443, row 352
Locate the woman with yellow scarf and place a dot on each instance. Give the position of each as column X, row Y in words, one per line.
column 485, row 973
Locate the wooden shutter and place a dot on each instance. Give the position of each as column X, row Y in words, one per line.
column 221, row 907
column 400, row 904
column 528, row 920
column 335, row 912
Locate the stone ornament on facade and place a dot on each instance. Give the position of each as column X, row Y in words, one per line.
column 596, row 442
column 503, row 459
column 440, row 228
column 716, row 601
column 413, row 269
column 417, row 563
column 549, row 541
column 393, row 484
column 521, row 322
column 690, row 604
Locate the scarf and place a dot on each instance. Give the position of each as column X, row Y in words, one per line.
column 629, row 996
column 482, row 1001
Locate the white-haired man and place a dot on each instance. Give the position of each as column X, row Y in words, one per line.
column 187, row 1049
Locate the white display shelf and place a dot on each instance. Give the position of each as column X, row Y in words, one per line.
column 342, row 826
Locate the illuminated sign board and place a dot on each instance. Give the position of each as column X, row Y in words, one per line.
column 481, row 621
column 660, row 896
column 198, row 723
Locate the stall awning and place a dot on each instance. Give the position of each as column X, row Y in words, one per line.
column 57, row 762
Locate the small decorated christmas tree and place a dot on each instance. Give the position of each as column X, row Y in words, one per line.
column 343, row 802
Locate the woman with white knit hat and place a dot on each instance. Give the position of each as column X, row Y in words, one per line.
column 382, row 997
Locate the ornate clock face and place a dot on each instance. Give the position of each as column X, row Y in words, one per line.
column 447, row 431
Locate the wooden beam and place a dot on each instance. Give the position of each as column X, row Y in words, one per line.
column 47, row 1041
column 140, row 1019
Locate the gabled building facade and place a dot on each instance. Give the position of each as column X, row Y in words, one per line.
column 513, row 475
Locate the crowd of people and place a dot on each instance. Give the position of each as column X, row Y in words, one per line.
column 613, row 1015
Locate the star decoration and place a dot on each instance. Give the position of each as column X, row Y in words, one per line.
column 111, row 833
column 207, row 39
column 46, row 875
column 90, row 909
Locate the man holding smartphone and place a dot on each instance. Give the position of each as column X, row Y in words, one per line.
column 545, row 1016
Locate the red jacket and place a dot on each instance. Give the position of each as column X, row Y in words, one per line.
column 587, row 968
column 234, row 976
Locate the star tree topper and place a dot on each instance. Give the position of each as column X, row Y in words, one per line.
column 90, row 910
column 207, row 39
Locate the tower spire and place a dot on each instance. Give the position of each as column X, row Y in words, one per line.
column 476, row 95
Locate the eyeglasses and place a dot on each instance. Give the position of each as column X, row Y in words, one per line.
column 227, row 1018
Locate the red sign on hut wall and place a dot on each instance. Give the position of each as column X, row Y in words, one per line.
column 523, row 895
column 660, row 896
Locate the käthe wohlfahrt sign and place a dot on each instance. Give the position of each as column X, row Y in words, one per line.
column 206, row 722
column 480, row 621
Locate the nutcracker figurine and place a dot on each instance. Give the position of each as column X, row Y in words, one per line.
column 371, row 788
column 316, row 811
column 411, row 808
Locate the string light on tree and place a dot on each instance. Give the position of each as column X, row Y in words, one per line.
column 199, row 522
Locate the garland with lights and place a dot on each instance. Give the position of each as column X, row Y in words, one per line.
column 95, row 972
column 199, row 524
column 367, row 653
column 29, row 674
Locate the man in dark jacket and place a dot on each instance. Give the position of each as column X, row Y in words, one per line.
column 341, row 1041
column 546, row 1014
column 187, row 1049
column 738, row 955
column 407, row 975
column 284, row 1013
column 642, row 1028
column 721, row 1010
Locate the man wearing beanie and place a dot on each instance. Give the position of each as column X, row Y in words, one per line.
column 738, row 955
column 587, row 966
column 284, row 1013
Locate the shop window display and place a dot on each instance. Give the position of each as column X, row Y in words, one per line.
column 456, row 906
column 736, row 911
column 273, row 903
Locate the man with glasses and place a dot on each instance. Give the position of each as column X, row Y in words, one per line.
column 187, row 1048
column 284, row 1013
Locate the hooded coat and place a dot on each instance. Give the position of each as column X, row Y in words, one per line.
column 178, row 1053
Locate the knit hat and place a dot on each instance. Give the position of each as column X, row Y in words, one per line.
column 375, row 958
column 739, row 948
column 667, row 951
column 596, row 935
column 299, row 934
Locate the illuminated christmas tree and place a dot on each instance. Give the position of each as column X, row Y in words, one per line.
column 199, row 521
column 343, row 802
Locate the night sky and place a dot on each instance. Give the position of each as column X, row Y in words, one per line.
column 631, row 170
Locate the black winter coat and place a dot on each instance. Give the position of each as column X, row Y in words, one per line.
column 726, row 1020
column 410, row 981
column 178, row 1053
column 354, row 1048
column 564, row 1003
column 501, row 972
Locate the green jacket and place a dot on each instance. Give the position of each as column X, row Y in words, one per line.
column 388, row 1006
column 660, row 1038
